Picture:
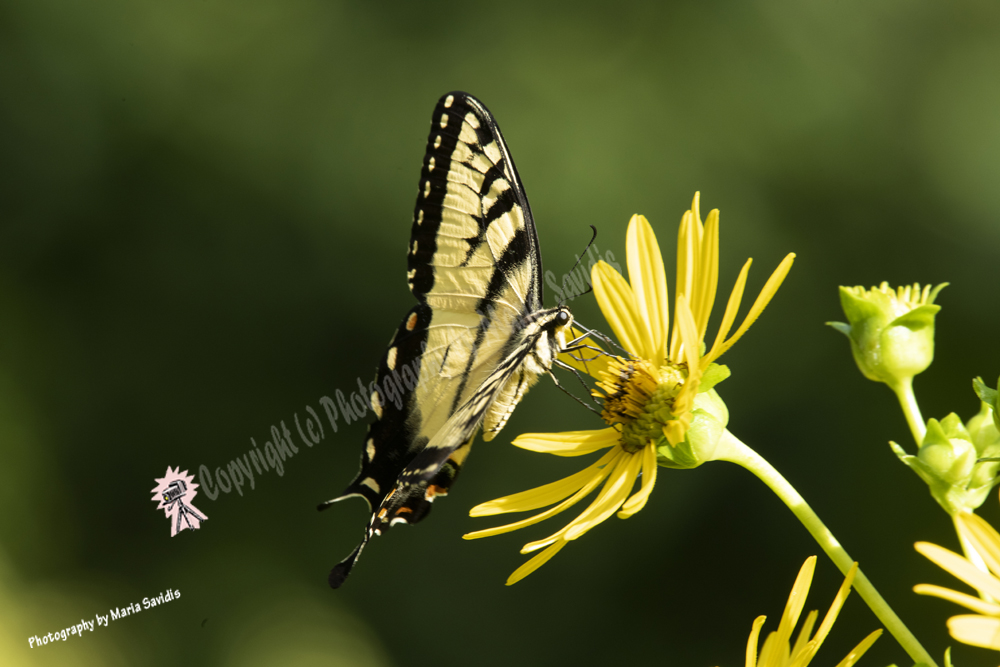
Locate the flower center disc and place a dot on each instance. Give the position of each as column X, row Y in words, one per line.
column 640, row 397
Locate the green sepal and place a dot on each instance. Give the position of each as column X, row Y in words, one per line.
column 919, row 318
column 678, row 458
column 988, row 396
column 983, row 391
column 713, row 375
column 842, row 327
column 709, row 418
column 859, row 309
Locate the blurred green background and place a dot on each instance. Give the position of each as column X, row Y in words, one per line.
column 204, row 215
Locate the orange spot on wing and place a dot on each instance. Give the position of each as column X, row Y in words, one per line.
column 411, row 322
column 434, row 490
column 404, row 509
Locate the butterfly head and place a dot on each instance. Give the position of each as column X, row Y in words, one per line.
column 560, row 322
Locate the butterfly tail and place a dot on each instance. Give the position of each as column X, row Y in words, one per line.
column 340, row 571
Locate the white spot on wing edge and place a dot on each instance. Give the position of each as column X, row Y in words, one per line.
column 427, row 189
column 430, row 165
column 371, row 484
column 437, row 141
column 448, row 101
column 370, row 449
column 376, row 407
column 420, row 217
column 391, row 358
column 444, row 120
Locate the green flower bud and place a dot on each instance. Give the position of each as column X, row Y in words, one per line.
column 709, row 418
column 891, row 332
column 949, row 460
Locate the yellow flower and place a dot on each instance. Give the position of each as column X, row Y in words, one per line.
column 650, row 397
column 778, row 650
column 982, row 628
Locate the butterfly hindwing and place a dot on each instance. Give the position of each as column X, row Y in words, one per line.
column 478, row 337
column 382, row 457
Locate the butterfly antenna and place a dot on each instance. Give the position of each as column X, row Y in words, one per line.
column 610, row 341
column 595, row 334
column 579, row 258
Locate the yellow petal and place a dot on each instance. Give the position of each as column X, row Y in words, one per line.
column 649, row 283
column 796, row 600
column 770, row 288
column 961, row 568
column 976, row 630
column 548, row 493
column 569, row 443
column 638, row 500
column 590, row 358
column 752, row 641
column 614, row 483
column 732, row 308
column 618, row 489
column 564, row 505
column 831, row 614
column 689, row 237
column 838, row 602
column 535, row 563
column 702, row 295
column 688, row 243
column 967, row 601
column 985, row 540
column 859, row 650
column 690, row 342
column 675, row 430
column 774, row 653
column 617, row 302
column 805, row 633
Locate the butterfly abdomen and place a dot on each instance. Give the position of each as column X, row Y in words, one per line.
column 539, row 341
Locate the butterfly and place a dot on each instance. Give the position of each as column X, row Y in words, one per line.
column 479, row 335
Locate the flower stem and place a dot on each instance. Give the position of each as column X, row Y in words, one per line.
column 908, row 401
column 731, row 449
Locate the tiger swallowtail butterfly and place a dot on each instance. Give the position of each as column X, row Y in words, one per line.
column 478, row 337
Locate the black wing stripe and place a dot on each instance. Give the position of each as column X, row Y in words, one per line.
column 516, row 254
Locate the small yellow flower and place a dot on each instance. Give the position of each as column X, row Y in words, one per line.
column 661, row 394
column 982, row 628
column 778, row 650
